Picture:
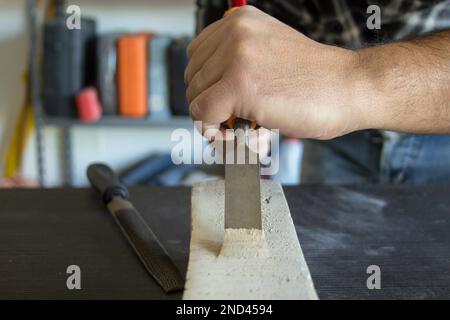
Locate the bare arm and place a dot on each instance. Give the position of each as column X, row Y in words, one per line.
column 408, row 85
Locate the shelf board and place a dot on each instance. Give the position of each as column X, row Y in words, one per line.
column 116, row 121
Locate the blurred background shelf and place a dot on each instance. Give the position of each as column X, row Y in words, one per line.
column 64, row 146
column 116, row 121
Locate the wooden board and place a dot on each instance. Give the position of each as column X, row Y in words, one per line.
column 245, row 264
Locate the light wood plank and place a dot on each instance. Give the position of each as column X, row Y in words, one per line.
column 245, row 264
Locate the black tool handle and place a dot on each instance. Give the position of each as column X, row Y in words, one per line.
column 105, row 181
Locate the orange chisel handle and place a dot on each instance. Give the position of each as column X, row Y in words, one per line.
column 233, row 121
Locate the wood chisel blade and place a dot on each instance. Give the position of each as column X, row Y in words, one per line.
column 142, row 239
column 242, row 181
column 243, row 194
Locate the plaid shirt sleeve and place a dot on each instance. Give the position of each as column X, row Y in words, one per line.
column 343, row 22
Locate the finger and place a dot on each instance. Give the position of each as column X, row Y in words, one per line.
column 196, row 62
column 214, row 105
column 207, row 129
column 213, row 27
column 211, row 72
column 206, row 50
column 200, row 52
column 208, row 31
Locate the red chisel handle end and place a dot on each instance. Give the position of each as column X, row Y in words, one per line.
column 237, row 3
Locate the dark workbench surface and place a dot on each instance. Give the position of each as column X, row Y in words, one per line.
column 405, row 230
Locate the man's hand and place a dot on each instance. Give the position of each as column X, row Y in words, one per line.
column 252, row 66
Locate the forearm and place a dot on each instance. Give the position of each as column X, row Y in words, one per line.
column 406, row 85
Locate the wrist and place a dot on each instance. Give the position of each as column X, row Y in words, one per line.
column 366, row 90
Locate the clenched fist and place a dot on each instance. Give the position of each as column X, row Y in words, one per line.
column 251, row 65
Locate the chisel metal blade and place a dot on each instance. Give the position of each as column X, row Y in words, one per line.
column 243, row 194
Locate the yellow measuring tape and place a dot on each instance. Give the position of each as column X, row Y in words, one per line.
column 22, row 132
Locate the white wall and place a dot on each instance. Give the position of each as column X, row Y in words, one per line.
column 172, row 16
column 117, row 146
column 13, row 60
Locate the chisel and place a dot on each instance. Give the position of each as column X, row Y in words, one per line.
column 242, row 181
column 144, row 242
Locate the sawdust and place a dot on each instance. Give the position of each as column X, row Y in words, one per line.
column 245, row 264
column 244, row 243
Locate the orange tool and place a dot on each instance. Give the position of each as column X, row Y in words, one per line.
column 132, row 75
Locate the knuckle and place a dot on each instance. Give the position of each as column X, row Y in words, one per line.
column 191, row 88
column 249, row 8
column 244, row 50
column 207, row 69
column 197, row 82
column 236, row 81
column 194, row 111
column 187, row 75
column 246, row 11
column 242, row 79
column 243, row 25
column 199, row 106
column 189, row 94
column 191, row 91
column 190, row 49
column 240, row 38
